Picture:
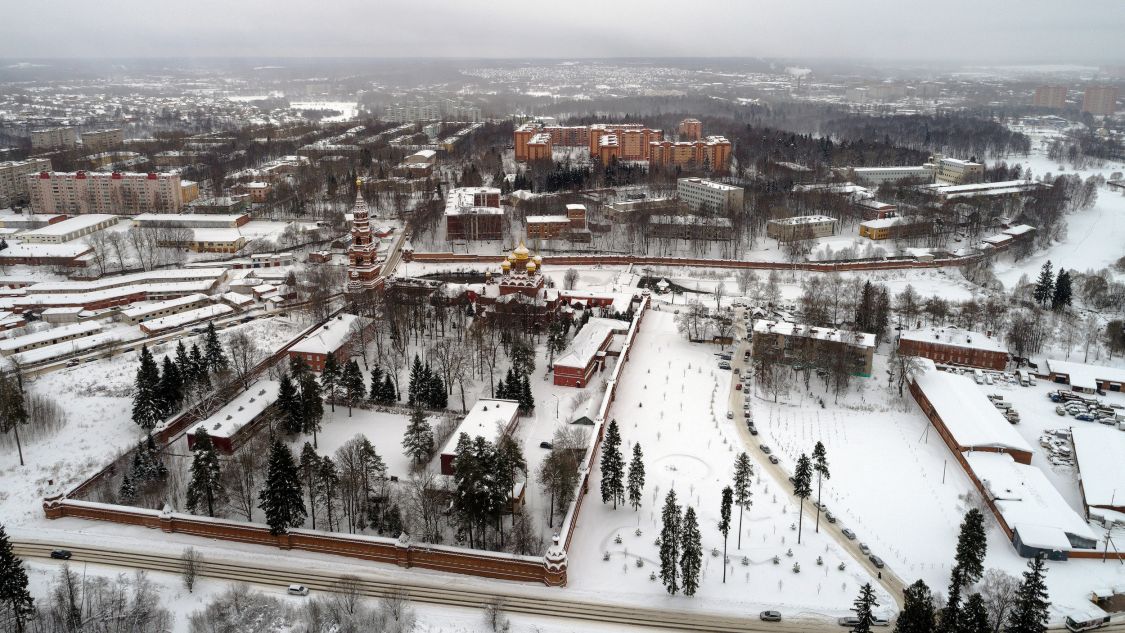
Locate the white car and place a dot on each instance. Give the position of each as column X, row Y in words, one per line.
column 297, row 590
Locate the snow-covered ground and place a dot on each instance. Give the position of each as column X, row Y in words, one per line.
column 673, row 401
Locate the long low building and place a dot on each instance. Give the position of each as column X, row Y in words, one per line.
column 190, row 317
column 586, row 353
column 234, row 423
column 108, row 298
column 954, row 346
column 192, row 220
column 70, row 229
column 164, row 308
column 170, row 275
column 47, row 337
column 489, row 418
column 964, row 417
column 1099, row 451
column 801, row 227
column 65, row 255
column 786, row 342
column 1086, row 378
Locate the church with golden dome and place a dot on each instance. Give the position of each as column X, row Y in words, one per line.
column 519, row 272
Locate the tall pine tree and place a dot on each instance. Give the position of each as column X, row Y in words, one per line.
column 280, row 499
column 820, row 466
column 671, row 533
column 691, row 558
column 527, row 401
column 864, row 607
column 724, row 523
column 419, row 380
column 376, row 384
column 636, row 477
column 170, row 388
column 147, row 404
column 353, row 384
column 14, row 593
column 1029, row 615
column 309, row 467
column 743, row 471
column 1061, row 298
column 1045, row 285
column 974, row 617
column 311, row 405
column 289, row 406
column 213, row 351
column 613, row 466
column 330, row 379
column 917, row 614
column 802, row 488
column 418, row 441
column 206, row 485
column 971, row 548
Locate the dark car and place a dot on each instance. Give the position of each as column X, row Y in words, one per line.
column 828, row 516
column 876, row 561
column 773, row 459
column 770, row 616
column 61, row 554
column 848, row 533
column 546, row 445
column 753, row 429
column 765, row 449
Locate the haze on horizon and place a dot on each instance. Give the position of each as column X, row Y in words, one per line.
column 962, row 31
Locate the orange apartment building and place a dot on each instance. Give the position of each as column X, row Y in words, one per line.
column 533, row 141
column 690, row 130
column 712, row 151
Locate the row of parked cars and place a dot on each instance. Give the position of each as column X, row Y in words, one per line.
column 1086, row 409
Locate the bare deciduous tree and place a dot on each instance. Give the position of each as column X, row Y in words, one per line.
column 244, row 356
column 190, row 562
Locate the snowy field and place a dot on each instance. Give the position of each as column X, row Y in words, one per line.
column 899, row 487
column 673, row 401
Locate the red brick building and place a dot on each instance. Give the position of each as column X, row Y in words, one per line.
column 586, row 354
column 954, row 346
column 490, row 418
column 332, row 337
column 474, row 213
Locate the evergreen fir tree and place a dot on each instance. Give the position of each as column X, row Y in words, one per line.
column 127, row 493
column 353, row 384
column 510, row 462
column 436, row 396
column 213, row 350
column 917, row 614
column 281, row 498
column 802, row 487
column 820, row 467
column 309, row 466
column 724, row 523
column 613, row 466
column 1029, row 615
column 298, row 367
column 199, row 374
column 1045, row 285
column 974, row 617
column 971, row 548
column 331, row 378
column 527, row 401
column 147, row 405
column 636, row 478
column 418, row 381
column 311, row 405
column 376, row 384
column 743, row 471
column 691, row 559
column 670, row 543
column 328, row 480
column 289, row 407
column 183, row 361
column 864, row 605
column 170, row 389
column 206, row 485
column 1061, row 297
column 387, row 395
column 14, row 593
column 418, row 441
column 501, row 390
column 951, row 613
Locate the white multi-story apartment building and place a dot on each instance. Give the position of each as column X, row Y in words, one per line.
column 953, row 171
column 80, row 192
column 102, row 140
column 13, row 179
column 876, row 176
column 700, row 193
column 54, row 138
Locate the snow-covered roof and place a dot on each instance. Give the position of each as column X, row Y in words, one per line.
column 152, row 276
column 997, row 239
column 785, row 328
column 460, row 201
column 588, row 341
column 487, row 418
column 327, row 338
column 1085, row 376
column 70, row 225
column 188, row 219
column 969, row 415
column 236, row 299
column 1100, row 453
column 241, row 411
column 1018, row 230
column 547, row 219
column 710, row 184
column 184, row 318
column 1029, row 503
column 882, row 223
column 955, row 337
column 803, row 219
column 225, row 236
column 109, row 294
column 139, row 312
column 37, row 338
column 66, row 348
column 64, row 250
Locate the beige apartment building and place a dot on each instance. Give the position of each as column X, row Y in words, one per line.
column 700, row 193
column 801, row 227
column 54, row 138
column 1100, row 100
column 1050, row 97
column 954, row 171
column 103, row 140
column 13, row 179
column 120, row 193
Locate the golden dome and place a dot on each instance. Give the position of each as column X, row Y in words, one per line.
column 538, row 260
column 521, row 252
column 530, row 267
column 505, row 265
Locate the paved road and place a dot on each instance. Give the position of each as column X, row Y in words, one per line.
column 886, row 576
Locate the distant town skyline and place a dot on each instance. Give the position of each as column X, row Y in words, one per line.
column 1030, row 32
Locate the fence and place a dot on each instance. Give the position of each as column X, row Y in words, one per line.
column 404, row 554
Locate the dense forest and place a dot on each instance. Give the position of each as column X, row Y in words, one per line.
column 955, row 135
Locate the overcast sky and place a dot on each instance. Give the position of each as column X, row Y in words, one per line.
column 988, row 31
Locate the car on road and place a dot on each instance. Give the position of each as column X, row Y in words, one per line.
column 724, row 365
column 730, row 416
column 753, row 429
column 738, row 387
column 74, row 362
column 297, row 590
column 546, row 445
column 828, row 516
column 770, row 616
column 61, row 554
column 746, row 414
column 773, row 459
column 877, row 621
column 849, row 621
column 847, row 532
column 876, row 561
column 864, row 548
column 745, row 406
column 765, row 449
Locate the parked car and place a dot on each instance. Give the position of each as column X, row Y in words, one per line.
column 730, row 415
column 724, row 365
column 765, row 449
column 746, row 414
column 61, row 554
column 770, row 616
column 1085, row 417
column 864, row 548
column 876, row 561
column 546, row 445
column 753, row 430
column 877, row 621
column 828, row 516
column 773, row 459
column 849, row 621
column 297, row 590
column 738, row 387
column 1060, row 410
column 74, row 362
column 847, row 532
